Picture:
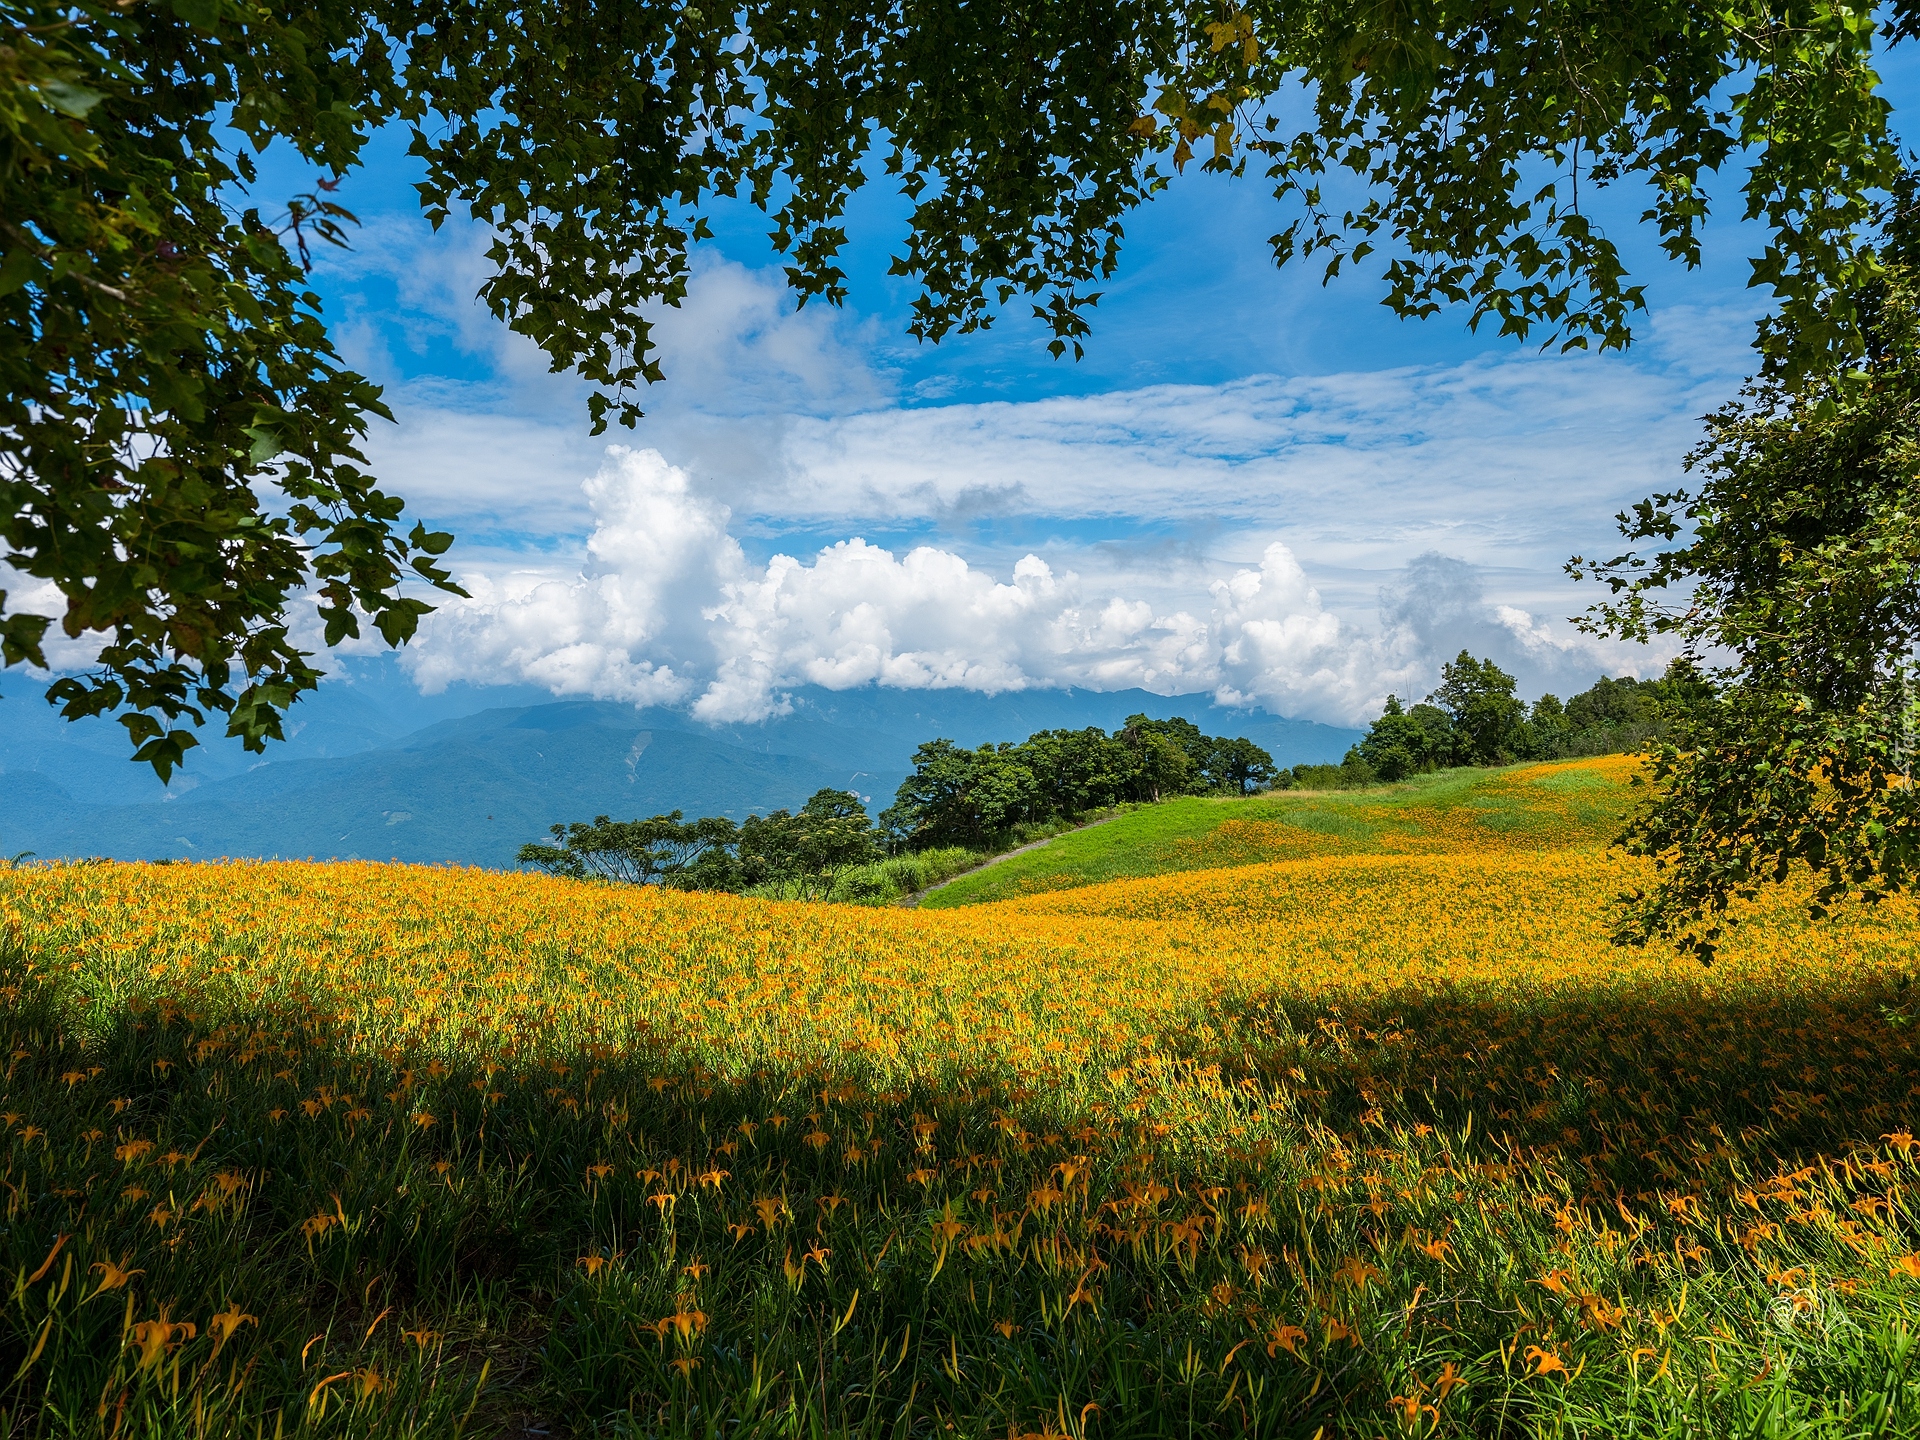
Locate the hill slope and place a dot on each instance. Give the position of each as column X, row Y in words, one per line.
column 1545, row 806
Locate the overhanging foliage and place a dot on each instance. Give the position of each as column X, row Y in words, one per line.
column 178, row 440
column 1793, row 562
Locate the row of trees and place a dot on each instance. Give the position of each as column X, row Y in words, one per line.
column 957, row 796
column 809, row 850
column 1474, row 718
column 954, row 797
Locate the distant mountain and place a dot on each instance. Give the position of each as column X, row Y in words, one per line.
column 469, row 791
column 470, row 788
column 367, row 703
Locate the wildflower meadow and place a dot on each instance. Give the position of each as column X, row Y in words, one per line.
column 1353, row 1124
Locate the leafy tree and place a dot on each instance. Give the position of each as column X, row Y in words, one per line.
column 179, row 443
column 960, row 797
column 1080, row 770
column 1238, row 766
column 1487, row 719
column 1397, row 744
column 1436, row 735
column 1178, row 731
column 1234, row 765
column 663, row 850
column 1611, row 704
column 933, row 802
column 1169, row 756
column 1548, row 728
column 1163, row 768
column 827, row 837
column 1796, row 555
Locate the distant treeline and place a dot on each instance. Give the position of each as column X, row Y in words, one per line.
column 955, row 803
column 972, row 797
column 1474, row 718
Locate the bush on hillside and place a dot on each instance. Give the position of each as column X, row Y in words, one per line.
column 882, row 882
column 1352, row 773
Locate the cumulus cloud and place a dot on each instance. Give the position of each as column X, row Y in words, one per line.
column 1305, row 542
column 631, row 628
column 1276, row 643
column 669, row 609
column 30, row 595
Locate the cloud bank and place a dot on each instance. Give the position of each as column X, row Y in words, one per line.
column 670, row 609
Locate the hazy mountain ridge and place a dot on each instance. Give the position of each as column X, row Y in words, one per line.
column 470, row 788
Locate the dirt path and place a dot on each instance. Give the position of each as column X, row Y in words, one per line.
column 910, row 901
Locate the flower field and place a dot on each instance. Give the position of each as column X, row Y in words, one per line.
column 1376, row 1137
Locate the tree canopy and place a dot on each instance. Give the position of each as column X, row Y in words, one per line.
column 1791, row 567
column 179, row 442
column 810, row 849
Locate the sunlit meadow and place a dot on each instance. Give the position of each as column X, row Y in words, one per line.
column 1365, row 1131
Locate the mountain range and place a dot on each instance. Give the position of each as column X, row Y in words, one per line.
column 373, row 770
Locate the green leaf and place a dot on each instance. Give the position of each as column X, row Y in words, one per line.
column 434, row 542
column 17, row 269
column 266, row 443
column 70, row 99
column 204, row 14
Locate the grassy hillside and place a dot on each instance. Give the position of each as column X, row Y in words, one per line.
column 1380, row 1140
column 1568, row 803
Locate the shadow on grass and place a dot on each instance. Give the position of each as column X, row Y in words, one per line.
column 600, row 1242
column 1643, row 1087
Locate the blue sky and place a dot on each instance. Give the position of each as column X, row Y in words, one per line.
column 1251, row 485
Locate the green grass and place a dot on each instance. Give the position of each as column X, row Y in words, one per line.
column 235, row 1204
column 1584, row 805
column 885, row 882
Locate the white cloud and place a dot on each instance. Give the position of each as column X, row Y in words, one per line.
column 1307, row 542
column 1277, row 645
column 669, row 609
column 1512, row 463
column 30, row 595
column 630, row 629
column 1161, row 537
column 1506, row 460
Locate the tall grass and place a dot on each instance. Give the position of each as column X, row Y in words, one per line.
column 1354, row 1144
